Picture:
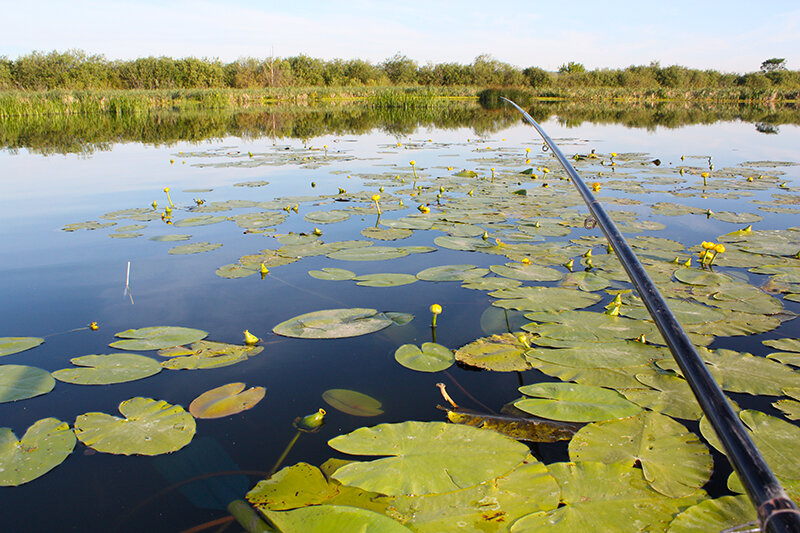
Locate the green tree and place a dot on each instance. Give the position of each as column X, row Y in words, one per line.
column 537, row 77
column 400, row 69
column 773, row 64
column 572, row 68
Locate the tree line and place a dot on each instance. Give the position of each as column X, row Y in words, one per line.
column 77, row 70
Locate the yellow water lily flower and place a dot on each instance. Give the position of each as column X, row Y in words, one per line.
column 704, row 174
column 523, row 340
column 264, row 272
column 436, row 309
column 93, row 326
column 424, row 208
column 595, row 186
column 250, row 339
column 317, row 231
column 166, row 190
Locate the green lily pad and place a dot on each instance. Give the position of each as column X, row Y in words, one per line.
column 501, row 353
column 617, row 354
column 787, row 358
column 601, row 497
column 431, row 358
column 44, row 446
column 369, row 253
column 572, row 402
column 327, row 217
column 107, row 369
column 90, row 225
column 9, row 345
column 156, row 338
column 227, row 400
column 201, row 220
column 385, row 280
column 451, row 273
column 685, row 312
column 236, row 271
column 203, row 355
column 524, row 272
column 696, row 276
column 150, row 427
column 719, row 514
column 352, row 402
column 786, row 345
column 586, row 281
column 490, row 284
column 543, row 299
column 667, row 394
column 789, row 408
column 425, row 457
column 673, row 460
column 194, row 248
column 173, row 237
column 326, row 517
column 332, row 274
column 334, row 324
column 125, row 235
column 587, row 326
column 18, row 382
column 386, row 234
column 256, row 183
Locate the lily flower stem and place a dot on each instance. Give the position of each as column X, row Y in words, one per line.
column 284, row 454
column 470, row 396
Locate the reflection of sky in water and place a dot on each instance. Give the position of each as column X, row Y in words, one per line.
column 52, row 281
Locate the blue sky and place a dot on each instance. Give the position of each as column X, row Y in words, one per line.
column 731, row 36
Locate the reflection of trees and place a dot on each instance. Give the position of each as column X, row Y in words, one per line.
column 92, row 132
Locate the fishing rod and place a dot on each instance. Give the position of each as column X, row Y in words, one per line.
column 776, row 512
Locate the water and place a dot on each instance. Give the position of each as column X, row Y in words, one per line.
column 54, row 282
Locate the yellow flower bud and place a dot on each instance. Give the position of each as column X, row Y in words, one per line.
column 93, row 326
column 376, row 197
column 250, row 339
column 719, row 248
column 436, row 309
column 312, row 422
column 412, row 162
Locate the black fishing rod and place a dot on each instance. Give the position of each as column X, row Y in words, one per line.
column 776, row 512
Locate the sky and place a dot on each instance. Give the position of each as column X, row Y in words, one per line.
column 729, row 36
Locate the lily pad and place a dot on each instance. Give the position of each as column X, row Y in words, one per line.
column 696, row 276
column 334, row 324
column 673, row 459
column 9, row 345
column 18, row 382
column 202, row 220
column 173, row 237
column 203, row 355
column 44, row 446
column 150, row 427
column 572, row 402
column 600, row 497
column 524, row 272
column 451, row 273
column 386, row 234
column 369, row 253
column 194, row 248
column 328, row 517
column 543, row 299
column 352, row 402
column 327, row 217
column 226, row 400
column 425, row 457
column 431, row 358
column 107, row 369
column 385, row 280
column 786, row 345
column 332, row 274
column 501, row 353
column 720, row 514
column 156, row 338
column 617, row 354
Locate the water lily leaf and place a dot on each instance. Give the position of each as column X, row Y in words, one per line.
column 527, row 488
column 586, row 281
column 667, row 394
column 326, row 517
column 673, row 459
column 786, row 345
column 385, row 280
column 156, row 338
column 685, row 312
column 107, row 369
column 527, row 428
column 201, row 220
column 207, row 354
column 431, row 358
column 18, row 382
column 236, row 271
column 44, row 446
column 371, row 253
column 9, row 345
column 790, row 408
column 227, row 400
column 613, row 497
column 617, row 354
column 173, row 237
column 719, row 514
column 543, row 299
column 332, row 274
column 501, row 353
column 352, row 402
column 490, row 284
column 425, row 457
column 89, row 225
column 743, row 372
column 735, row 323
column 465, row 244
column 327, row 217
column 452, row 273
column 194, row 248
column 696, row 276
column 384, row 234
column 125, row 235
column 334, row 324
column 150, row 427
column 573, row 402
column 587, row 326
column 255, row 183
column 526, row 272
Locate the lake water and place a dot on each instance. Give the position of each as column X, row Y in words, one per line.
column 54, row 282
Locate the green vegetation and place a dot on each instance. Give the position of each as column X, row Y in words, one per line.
column 75, row 82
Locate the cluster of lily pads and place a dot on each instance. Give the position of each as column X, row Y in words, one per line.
column 633, row 464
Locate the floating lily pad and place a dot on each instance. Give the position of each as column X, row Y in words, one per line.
column 18, row 382
column 90, row 225
column 255, row 183
column 370, row 253
column 173, row 237
column 786, row 345
column 572, row 402
column 602, row 497
column 685, row 312
column 384, row 234
column 665, row 394
column 107, row 369
column 616, row 354
column 44, row 446
column 586, row 281
column 543, row 299
column 328, row 517
column 720, row 514
column 150, row 427
column 156, row 338
column 327, row 217
column 426, row 457
column 352, row 402
column 124, row 235
column 502, row 353
column 9, row 345
column 696, row 276
column 194, row 248
column 431, row 357
column 202, row 220
column 673, row 460
column 490, row 284
column 385, row 280
column 332, row 274
column 236, row 271
column 207, row 354
column 226, row 400
column 526, row 272
column 586, row 326
column 334, row 324
column 452, row 273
